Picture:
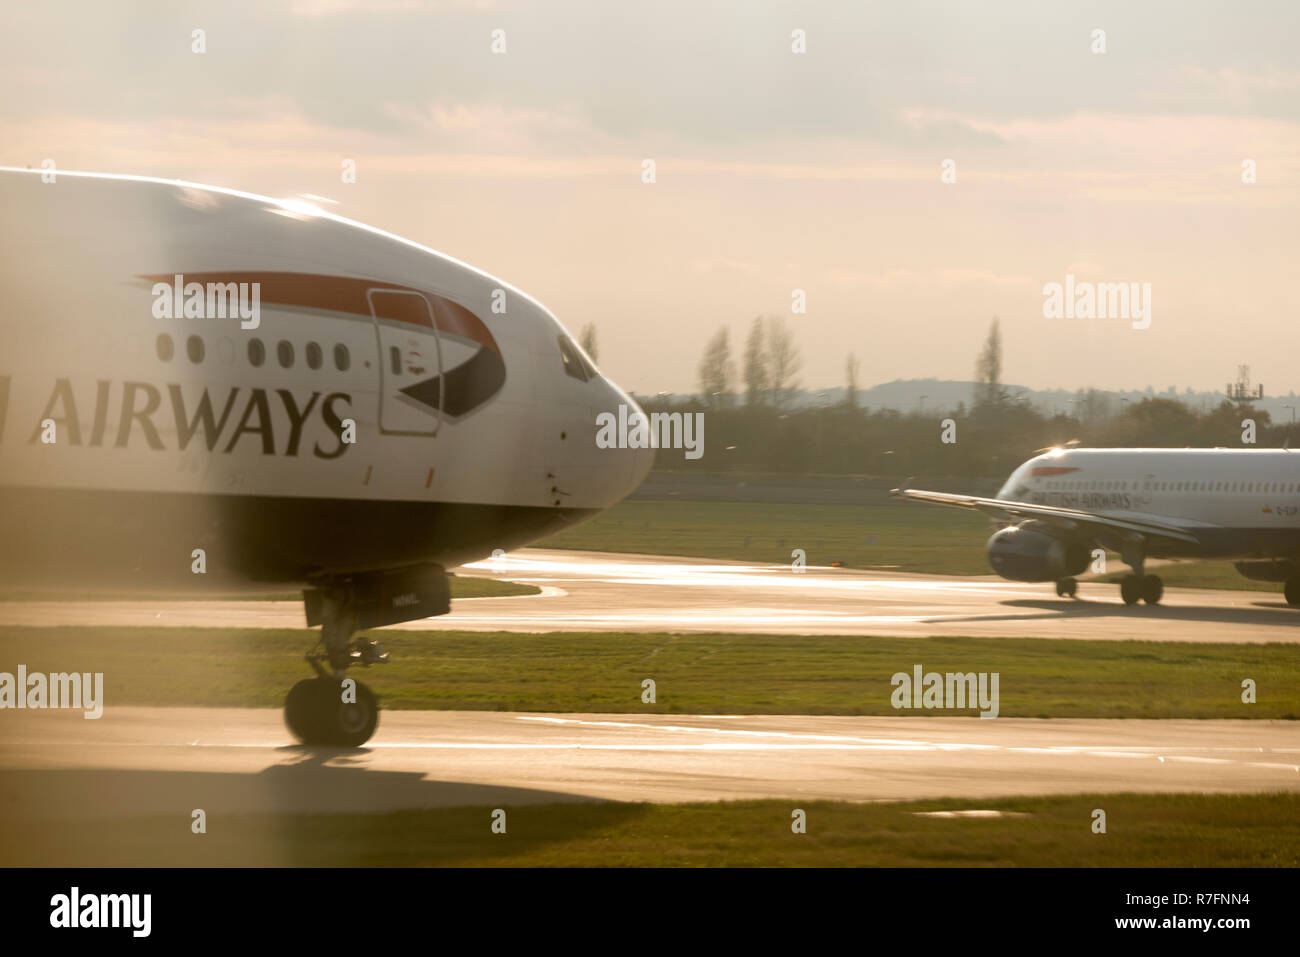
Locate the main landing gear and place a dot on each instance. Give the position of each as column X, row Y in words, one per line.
column 1139, row 586
column 1136, row 588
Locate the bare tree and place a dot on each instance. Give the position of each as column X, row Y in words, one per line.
column 588, row 340
column 758, row 379
column 783, row 362
column 716, row 370
column 988, row 371
column 851, row 381
column 1093, row 407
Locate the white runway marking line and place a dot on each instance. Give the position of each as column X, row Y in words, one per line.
column 737, row 731
column 574, row 746
column 801, row 741
column 848, row 742
column 742, row 576
column 824, row 743
column 971, row 813
column 833, row 745
column 749, row 619
column 1146, row 748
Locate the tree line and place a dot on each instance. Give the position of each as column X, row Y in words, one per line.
column 752, row 425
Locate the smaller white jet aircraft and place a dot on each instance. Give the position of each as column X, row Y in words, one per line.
column 1055, row 509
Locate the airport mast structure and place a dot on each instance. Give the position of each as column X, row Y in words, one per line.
column 1241, row 391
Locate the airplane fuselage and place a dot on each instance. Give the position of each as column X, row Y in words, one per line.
column 293, row 394
column 1236, row 503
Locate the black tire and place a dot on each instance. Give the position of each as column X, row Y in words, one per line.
column 1153, row 589
column 1291, row 591
column 350, row 724
column 302, row 711
column 1130, row 589
column 316, row 714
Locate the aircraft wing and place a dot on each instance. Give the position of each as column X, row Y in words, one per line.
column 1102, row 527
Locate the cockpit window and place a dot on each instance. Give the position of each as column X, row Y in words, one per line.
column 575, row 363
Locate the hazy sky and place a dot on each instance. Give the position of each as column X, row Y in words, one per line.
column 775, row 171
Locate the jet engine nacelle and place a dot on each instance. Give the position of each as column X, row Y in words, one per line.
column 1024, row 554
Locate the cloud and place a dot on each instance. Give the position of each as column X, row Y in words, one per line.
column 333, row 8
column 902, row 279
column 716, row 264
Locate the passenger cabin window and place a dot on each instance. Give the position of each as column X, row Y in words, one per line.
column 313, row 352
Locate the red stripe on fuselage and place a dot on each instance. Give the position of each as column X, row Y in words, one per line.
column 345, row 294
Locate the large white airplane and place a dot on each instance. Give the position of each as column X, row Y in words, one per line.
column 367, row 414
column 1058, row 507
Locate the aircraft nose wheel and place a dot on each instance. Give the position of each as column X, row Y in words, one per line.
column 1066, row 587
column 321, row 711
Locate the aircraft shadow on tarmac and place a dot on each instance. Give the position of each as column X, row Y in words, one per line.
column 1258, row 613
column 314, row 812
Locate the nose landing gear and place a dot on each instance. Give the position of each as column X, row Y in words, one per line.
column 332, row 709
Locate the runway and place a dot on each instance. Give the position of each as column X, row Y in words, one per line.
column 595, row 591
column 142, row 761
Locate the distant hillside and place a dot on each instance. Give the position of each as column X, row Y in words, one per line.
column 945, row 394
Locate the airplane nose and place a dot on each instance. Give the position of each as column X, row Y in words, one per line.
column 636, row 462
column 642, row 460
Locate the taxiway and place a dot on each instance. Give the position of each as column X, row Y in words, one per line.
column 595, row 591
